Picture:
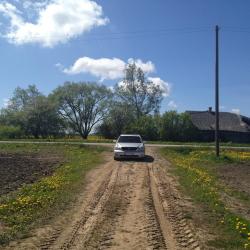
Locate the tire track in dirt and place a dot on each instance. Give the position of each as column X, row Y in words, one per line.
column 176, row 224
column 138, row 227
column 155, row 231
column 81, row 229
column 103, row 235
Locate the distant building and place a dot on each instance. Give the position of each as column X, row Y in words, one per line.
column 233, row 127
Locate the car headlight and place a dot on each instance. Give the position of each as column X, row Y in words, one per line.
column 117, row 147
column 141, row 147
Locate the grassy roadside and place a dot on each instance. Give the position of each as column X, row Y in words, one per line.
column 202, row 144
column 197, row 176
column 32, row 204
column 75, row 140
column 96, row 139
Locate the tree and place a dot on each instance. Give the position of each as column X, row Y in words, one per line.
column 82, row 105
column 188, row 132
column 177, row 127
column 170, row 126
column 118, row 120
column 23, row 97
column 33, row 112
column 147, row 126
column 42, row 118
column 142, row 95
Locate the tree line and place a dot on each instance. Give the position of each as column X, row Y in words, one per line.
column 81, row 108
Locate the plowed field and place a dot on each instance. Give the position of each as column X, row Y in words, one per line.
column 18, row 169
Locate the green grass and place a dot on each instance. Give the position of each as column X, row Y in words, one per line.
column 198, row 179
column 99, row 139
column 35, row 203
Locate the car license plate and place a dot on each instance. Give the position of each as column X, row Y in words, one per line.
column 128, row 153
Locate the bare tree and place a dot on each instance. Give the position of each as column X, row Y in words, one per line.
column 141, row 94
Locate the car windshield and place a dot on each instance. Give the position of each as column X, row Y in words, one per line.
column 131, row 139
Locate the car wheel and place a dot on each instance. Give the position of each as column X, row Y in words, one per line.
column 116, row 159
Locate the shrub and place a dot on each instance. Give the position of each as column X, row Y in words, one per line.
column 10, row 132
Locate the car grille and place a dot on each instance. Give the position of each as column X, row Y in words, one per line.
column 129, row 148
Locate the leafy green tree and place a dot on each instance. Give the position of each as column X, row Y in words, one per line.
column 10, row 132
column 42, row 118
column 170, row 126
column 34, row 113
column 177, row 127
column 118, row 119
column 188, row 132
column 23, row 97
column 82, row 105
column 147, row 127
column 142, row 95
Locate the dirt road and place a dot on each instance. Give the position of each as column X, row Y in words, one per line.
column 124, row 205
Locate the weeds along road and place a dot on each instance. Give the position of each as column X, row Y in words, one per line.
column 124, row 205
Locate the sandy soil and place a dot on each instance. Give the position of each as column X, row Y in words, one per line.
column 124, row 205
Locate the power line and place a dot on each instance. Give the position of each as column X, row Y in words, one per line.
column 235, row 29
column 136, row 34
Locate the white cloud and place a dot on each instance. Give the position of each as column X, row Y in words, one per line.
column 29, row 4
column 113, row 68
column 164, row 86
column 236, row 111
column 57, row 21
column 6, row 102
column 172, row 105
column 106, row 68
column 59, row 66
column 147, row 67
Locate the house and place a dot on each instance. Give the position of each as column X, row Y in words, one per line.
column 233, row 127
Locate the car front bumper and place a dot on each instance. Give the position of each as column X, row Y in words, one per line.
column 129, row 154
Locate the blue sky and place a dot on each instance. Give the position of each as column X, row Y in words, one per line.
column 53, row 41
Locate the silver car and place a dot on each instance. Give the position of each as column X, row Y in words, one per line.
column 129, row 146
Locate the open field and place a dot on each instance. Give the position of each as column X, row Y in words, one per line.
column 220, row 189
column 37, row 182
column 181, row 198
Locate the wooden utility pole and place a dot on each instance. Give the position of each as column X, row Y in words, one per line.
column 217, row 114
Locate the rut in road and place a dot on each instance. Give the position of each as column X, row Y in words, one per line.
column 133, row 206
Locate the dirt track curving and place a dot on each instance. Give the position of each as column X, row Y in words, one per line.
column 125, row 205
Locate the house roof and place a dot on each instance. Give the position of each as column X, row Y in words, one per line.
column 205, row 120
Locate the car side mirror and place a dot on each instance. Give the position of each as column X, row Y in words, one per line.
column 144, row 142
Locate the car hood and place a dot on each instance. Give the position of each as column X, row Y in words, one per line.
column 127, row 144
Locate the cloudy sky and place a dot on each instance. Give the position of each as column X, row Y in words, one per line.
column 48, row 42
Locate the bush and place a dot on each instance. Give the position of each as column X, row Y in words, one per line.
column 10, row 132
column 146, row 126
